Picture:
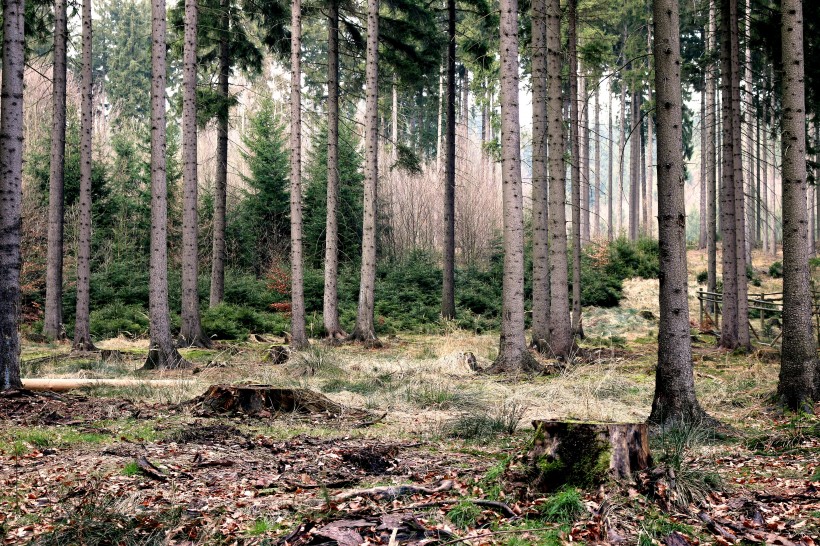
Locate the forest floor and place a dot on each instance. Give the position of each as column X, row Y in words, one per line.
column 146, row 465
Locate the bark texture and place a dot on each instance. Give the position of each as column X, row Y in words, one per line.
column 513, row 355
column 575, row 170
column 365, row 330
column 674, row 398
column 221, row 177
column 448, row 302
column 191, row 330
column 634, row 167
column 82, row 327
column 540, row 191
column 798, row 385
column 53, row 319
column 11, row 189
column 711, row 159
column 586, row 454
column 298, row 332
column 330, row 309
column 162, row 353
column 560, row 334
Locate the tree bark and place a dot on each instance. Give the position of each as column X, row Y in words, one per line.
column 540, row 186
column 191, row 331
column 711, row 160
column 799, row 371
column 634, row 167
column 82, row 327
column 11, row 189
column 584, row 158
column 763, row 163
column 622, row 153
column 330, row 310
column 365, row 330
column 746, row 135
column 513, row 355
column 596, row 222
column 728, row 225
column 560, row 330
column 610, row 195
column 448, row 303
column 221, row 176
column 674, row 398
column 575, row 171
column 743, row 338
column 585, row 454
column 298, row 332
column 162, row 353
column 703, row 227
column 53, row 319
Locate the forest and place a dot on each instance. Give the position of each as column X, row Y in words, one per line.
column 435, row 272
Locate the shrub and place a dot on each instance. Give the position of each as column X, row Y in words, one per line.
column 117, row 318
column 776, row 270
column 702, row 277
column 228, row 321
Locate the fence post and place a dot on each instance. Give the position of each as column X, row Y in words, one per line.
column 700, row 305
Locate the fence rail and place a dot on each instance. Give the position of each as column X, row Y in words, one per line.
column 767, row 305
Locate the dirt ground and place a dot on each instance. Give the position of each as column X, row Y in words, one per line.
column 430, row 456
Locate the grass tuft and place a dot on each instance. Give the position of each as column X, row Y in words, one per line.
column 565, row 506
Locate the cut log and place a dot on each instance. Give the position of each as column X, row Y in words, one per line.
column 260, row 399
column 67, row 384
column 585, row 454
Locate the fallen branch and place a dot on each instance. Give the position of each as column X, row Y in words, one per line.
column 497, row 506
column 365, row 424
column 149, row 469
column 395, row 491
column 62, row 385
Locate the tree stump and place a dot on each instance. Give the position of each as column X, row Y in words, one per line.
column 278, row 354
column 585, row 454
column 256, row 399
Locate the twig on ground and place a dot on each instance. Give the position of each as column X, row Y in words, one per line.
column 391, row 492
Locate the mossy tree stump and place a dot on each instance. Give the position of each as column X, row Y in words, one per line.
column 256, row 399
column 585, row 454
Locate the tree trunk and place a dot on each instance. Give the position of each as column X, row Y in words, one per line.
column 365, row 330
column 644, row 229
column 11, row 189
column 746, row 135
column 703, row 228
column 330, row 310
column 650, row 172
column 711, row 160
column 394, row 118
column 634, row 167
column 674, row 398
column 560, row 330
column 540, row 186
column 610, row 195
column 583, row 131
column 585, row 454
column 162, row 353
column 575, row 171
column 596, row 222
column 438, row 127
column 799, row 371
column 299, row 338
column 728, row 225
column 763, row 165
column 743, row 339
column 448, row 303
column 513, row 356
column 221, row 176
column 191, row 331
column 622, row 153
column 82, row 327
column 53, row 319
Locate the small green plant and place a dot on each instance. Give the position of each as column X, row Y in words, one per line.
column 316, row 360
column 483, row 425
column 565, row 506
column 776, row 270
column 262, row 526
column 702, row 277
column 130, row 469
column 437, row 396
column 465, row 514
